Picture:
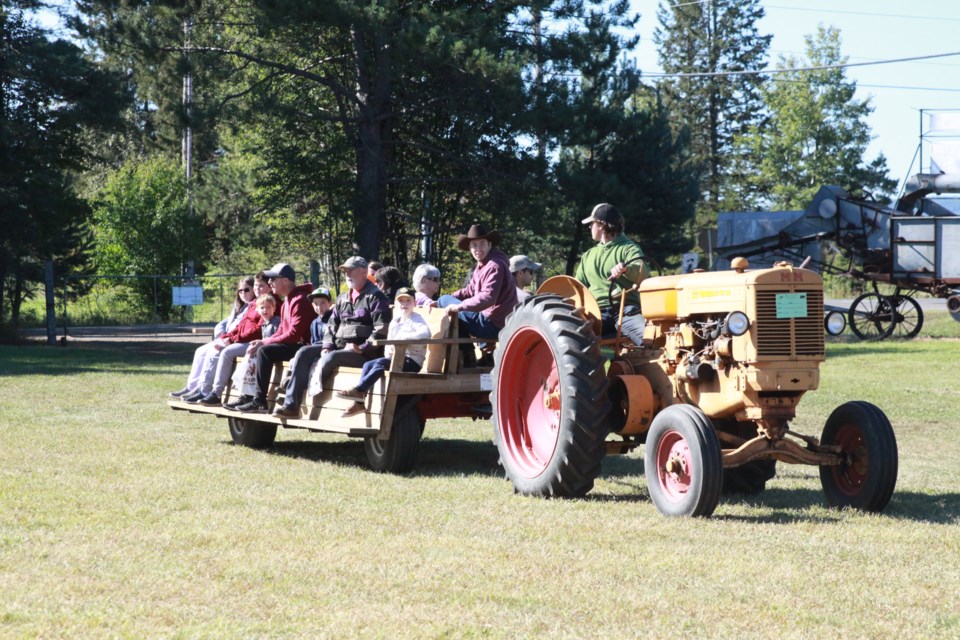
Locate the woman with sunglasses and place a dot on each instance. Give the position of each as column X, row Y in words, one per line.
column 242, row 303
column 426, row 282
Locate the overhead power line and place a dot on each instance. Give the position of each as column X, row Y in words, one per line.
column 899, row 16
column 753, row 72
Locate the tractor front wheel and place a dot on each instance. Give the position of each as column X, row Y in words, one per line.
column 549, row 399
column 868, row 474
column 683, row 462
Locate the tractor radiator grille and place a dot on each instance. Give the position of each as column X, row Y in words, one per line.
column 789, row 336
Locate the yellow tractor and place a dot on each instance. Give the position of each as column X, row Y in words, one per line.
column 725, row 359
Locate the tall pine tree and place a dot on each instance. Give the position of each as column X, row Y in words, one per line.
column 714, row 37
column 47, row 114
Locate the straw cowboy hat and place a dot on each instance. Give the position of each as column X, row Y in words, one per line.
column 477, row 232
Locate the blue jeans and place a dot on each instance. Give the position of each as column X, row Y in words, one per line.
column 472, row 323
column 633, row 323
column 373, row 371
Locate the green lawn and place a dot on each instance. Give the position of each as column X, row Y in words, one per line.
column 122, row 518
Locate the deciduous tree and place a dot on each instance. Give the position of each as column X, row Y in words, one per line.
column 817, row 134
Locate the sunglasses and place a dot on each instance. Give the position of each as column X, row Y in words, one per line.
column 432, row 278
column 244, row 290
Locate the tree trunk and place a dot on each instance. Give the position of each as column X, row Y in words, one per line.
column 16, row 298
column 372, row 172
column 374, row 87
column 3, row 288
column 572, row 255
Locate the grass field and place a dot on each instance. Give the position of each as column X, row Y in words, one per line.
column 122, row 518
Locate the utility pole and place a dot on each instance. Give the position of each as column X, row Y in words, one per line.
column 186, row 144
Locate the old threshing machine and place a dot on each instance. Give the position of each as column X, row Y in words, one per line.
column 915, row 247
column 726, row 358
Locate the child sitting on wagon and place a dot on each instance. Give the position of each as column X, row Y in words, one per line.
column 245, row 376
column 406, row 325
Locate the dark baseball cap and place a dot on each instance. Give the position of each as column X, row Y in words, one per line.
column 320, row 292
column 405, row 292
column 605, row 213
column 281, row 270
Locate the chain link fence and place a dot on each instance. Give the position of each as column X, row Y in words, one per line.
column 144, row 305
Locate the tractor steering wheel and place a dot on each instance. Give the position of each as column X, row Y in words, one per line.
column 613, row 282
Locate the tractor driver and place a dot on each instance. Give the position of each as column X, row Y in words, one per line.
column 615, row 261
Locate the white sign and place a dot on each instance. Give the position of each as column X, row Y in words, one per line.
column 486, row 382
column 188, row 296
column 690, row 261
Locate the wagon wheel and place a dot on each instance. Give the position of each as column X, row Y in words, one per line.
column 866, row 478
column 907, row 317
column 398, row 454
column 870, row 317
column 549, row 399
column 683, row 462
column 250, row 433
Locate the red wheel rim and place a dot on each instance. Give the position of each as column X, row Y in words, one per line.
column 849, row 477
column 674, row 466
column 529, row 422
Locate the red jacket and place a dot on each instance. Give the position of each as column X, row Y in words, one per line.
column 296, row 314
column 248, row 328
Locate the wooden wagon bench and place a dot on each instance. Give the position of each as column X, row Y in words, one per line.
column 398, row 406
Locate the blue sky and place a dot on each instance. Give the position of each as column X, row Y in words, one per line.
column 870, row 30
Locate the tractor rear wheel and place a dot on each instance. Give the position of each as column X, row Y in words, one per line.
column 868, row 475
column 250, row 433
column 683, row 462
column 398, row 454
column 549, row 399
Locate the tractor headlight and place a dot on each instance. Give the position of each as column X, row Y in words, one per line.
column 736, row 323
column 835, row 322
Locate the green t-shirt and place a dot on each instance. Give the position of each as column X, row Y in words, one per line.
column 597, row 262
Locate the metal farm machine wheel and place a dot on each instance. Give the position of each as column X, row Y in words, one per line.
column 907, row 317
column 250, row 433
column 868, row 475
column 870, row 317
column 873, row 316
column 550, row 399
column 683, row 462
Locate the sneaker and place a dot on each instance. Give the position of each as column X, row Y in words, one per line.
column 210, row 400
column 282, row 411
column 254, row 406
column 179, row 394
column 192, row 397
column 352, row 394
column 244, row 399
column 356, row 408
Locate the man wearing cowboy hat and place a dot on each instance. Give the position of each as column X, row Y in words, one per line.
column 484, row 304
column 615, row 259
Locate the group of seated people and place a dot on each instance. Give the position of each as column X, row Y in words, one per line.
column 318, row 334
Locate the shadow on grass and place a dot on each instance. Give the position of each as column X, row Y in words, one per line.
column 99, row 357
column 437, row 458
column 457, row 457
